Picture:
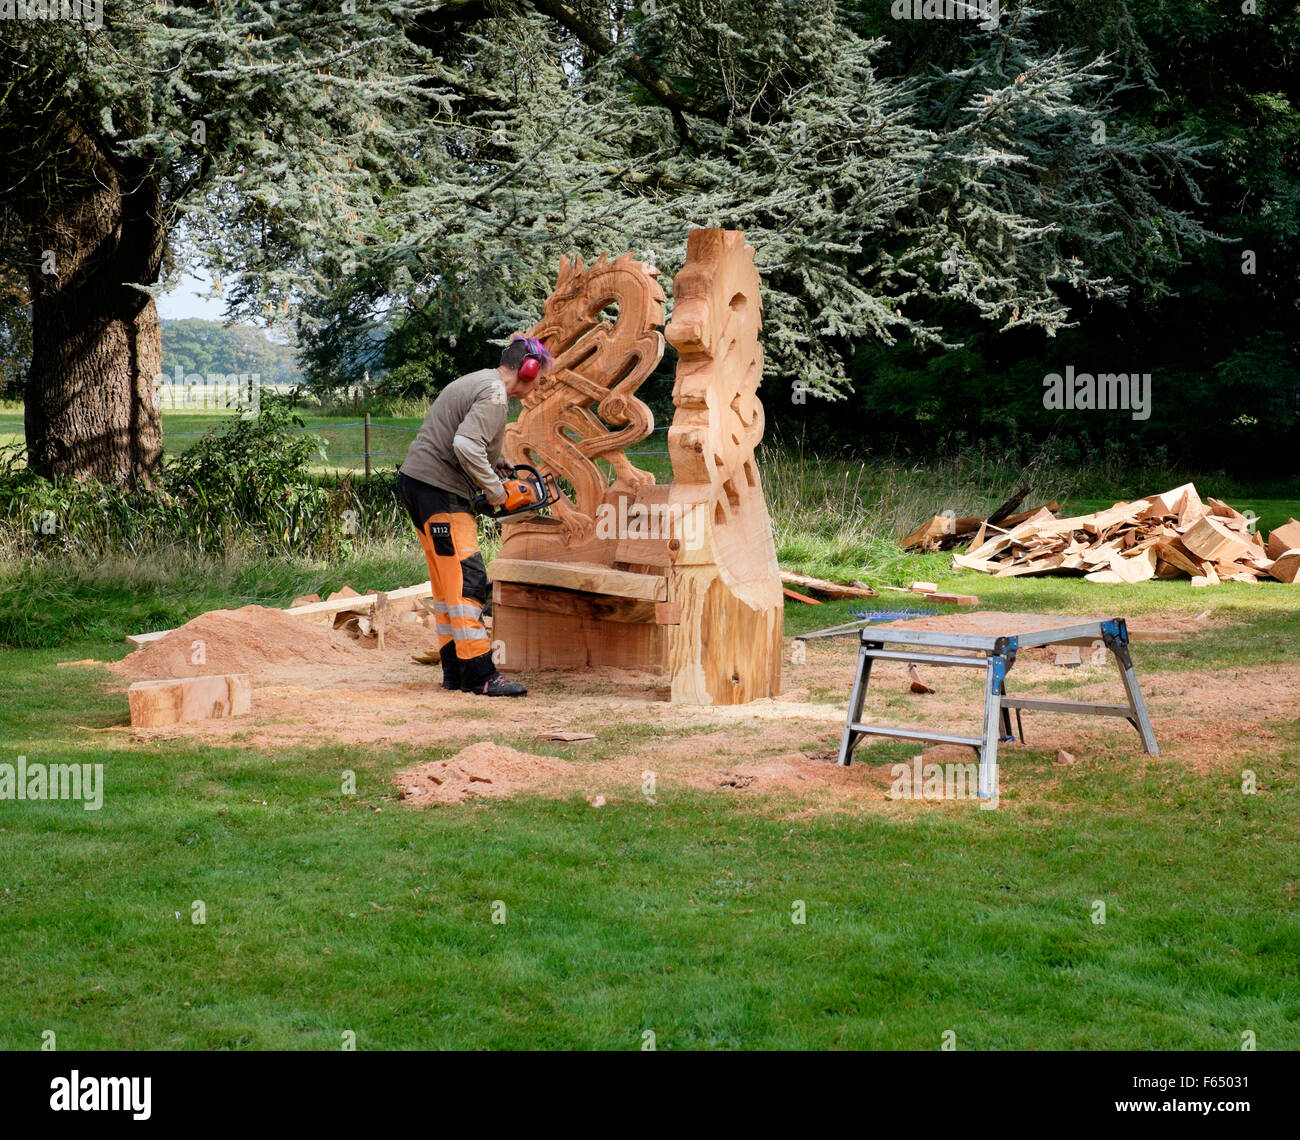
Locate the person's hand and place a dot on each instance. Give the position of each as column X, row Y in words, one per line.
column 495, row 500
column 503, row 467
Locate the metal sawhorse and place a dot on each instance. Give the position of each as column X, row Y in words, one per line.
column 995, row 655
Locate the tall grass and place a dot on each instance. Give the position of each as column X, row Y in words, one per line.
column 841, row 517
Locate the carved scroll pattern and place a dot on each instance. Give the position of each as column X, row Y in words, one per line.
column 719, row 419
column 599, row 364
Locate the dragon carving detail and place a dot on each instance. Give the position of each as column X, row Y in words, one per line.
column 586, row 407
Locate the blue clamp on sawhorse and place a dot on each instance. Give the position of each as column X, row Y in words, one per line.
column 995, row 655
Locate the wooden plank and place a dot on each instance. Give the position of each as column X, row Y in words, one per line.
column 822, row 586
column 338, row 604
column 1119, row 513
column 175, row 700
column 582, row 576
column 789, row 593
column 600, row 607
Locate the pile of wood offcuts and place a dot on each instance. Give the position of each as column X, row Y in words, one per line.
column 1174, row 535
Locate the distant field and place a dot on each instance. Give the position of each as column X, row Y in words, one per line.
column 344, row 438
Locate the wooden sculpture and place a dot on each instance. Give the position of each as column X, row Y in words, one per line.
column 677, row 578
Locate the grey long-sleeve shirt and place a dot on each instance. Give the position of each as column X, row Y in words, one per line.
column 461, row 436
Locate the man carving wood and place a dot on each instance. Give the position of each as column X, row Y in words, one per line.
column 455, row 454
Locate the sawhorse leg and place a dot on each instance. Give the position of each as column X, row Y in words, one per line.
column 995, row 676
column 1115, row 635
column 851, row 738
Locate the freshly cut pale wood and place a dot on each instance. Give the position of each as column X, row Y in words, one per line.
column 822, row 586
column 1109, row 577
column 338, row 603
column 1120, row 512
column 1185, row 503
column 564, row 427
column 927, row 535
column 174, row 700
column 708, row 566
column 586, row 577
column 942, row 532
column 1034, row 566
column 1211, row 540
column 1138, row 568
column 923, row 587
column 1286, row 567
column 953, row 599
column 1220, row 509
column 966, row 562
column 1201, row 580
column 1284, row 538
column 1173, row 551
column 305, row 600
column 599, row 606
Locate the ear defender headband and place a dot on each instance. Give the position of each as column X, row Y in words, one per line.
column 537, row 357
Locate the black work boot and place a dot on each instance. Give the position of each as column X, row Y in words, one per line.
column 479, row 675
column 450, row 666
column 498, row 686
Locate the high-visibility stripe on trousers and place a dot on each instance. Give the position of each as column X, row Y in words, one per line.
column 450, row 541
column 456, row 571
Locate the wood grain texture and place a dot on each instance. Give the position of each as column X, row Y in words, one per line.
column 699, row 549
column 601, row 325
column 172, row 701
column 735, row 651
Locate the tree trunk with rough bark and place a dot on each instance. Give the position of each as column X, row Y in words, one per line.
column 91, row 410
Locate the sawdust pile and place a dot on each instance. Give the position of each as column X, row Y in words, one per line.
column 482, row 769
column 245, row 640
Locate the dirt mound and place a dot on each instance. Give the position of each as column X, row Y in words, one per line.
column 247, row 640
column 482, row 769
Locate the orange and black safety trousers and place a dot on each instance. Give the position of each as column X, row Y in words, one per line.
column 449, row 535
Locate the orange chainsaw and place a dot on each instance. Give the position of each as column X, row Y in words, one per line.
column 527, row 490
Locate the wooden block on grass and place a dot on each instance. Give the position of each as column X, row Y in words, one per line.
column 174, row 700
column 954, row 599
column 1287, row 567
column 1284, row 538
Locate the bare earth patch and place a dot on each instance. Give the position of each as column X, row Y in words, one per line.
column 314, row 686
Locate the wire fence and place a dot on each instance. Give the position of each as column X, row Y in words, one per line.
column 362, row 460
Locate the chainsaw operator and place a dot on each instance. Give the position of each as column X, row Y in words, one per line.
column 455, row 456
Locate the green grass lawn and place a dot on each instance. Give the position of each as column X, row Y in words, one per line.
column 328, row 913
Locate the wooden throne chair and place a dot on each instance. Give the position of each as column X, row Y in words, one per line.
column 678, row 579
